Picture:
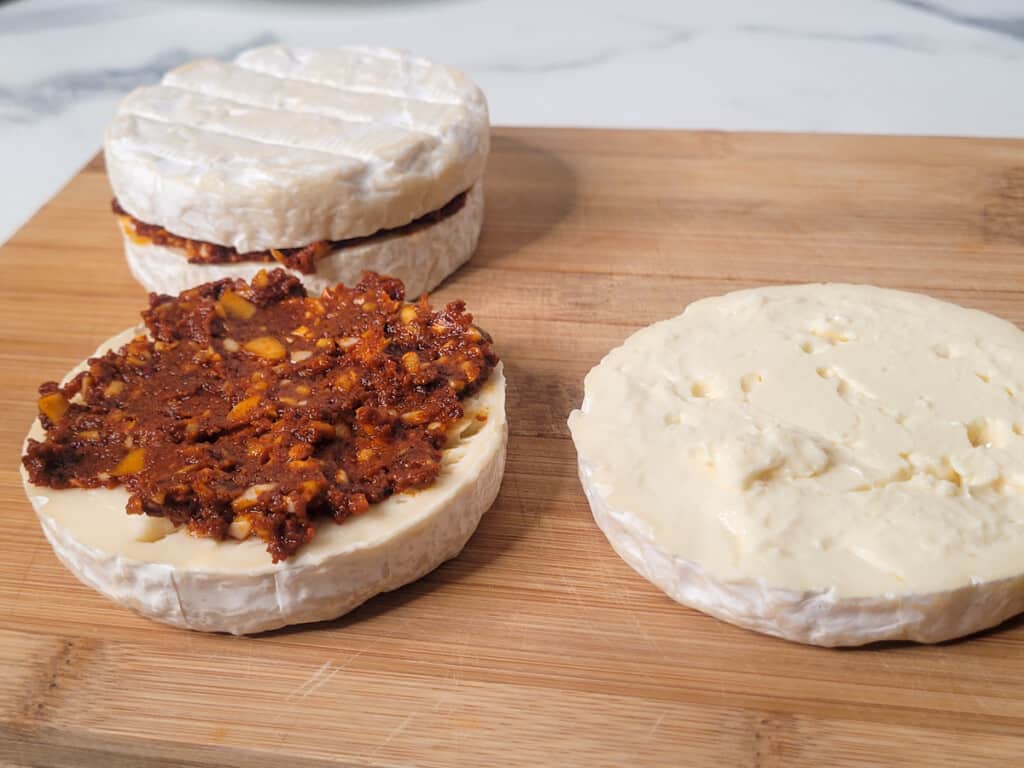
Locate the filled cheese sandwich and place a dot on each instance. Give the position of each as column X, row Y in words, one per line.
column 325, row 163
column 253, row 456
column 832, row 464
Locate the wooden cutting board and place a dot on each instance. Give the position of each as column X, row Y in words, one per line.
column 537, row 645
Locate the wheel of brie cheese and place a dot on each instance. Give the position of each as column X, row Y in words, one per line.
column 218, row 467
column 328, row 163
column 831, row 464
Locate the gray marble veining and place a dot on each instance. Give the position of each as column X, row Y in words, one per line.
column 904, row 42
column 52, row 95
column 666, row 39
column 19, row 22
column 1012, row 26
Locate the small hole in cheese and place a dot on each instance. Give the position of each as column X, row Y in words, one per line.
column 834, row 335
column 700, row 389
column 978, row 433
column 750, row 380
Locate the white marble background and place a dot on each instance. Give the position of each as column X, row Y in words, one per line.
column 876, row 66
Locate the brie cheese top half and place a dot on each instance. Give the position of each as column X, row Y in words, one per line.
column 287, row 146
column 818, row 437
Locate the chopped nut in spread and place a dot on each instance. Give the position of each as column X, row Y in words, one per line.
column 253, row 408
column 302, row 259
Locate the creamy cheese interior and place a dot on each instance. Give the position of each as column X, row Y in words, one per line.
column 818, row 437
column 97, row 517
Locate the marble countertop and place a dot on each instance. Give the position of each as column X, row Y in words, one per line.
column 872, row 66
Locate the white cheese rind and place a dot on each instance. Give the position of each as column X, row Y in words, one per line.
column 816, row 617
column 286, row 146
column 830, row 464
column 234, row 587
column 420, row 259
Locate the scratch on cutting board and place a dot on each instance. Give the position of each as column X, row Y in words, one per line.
column 651, row 642
column 449, row 694
column 584, row 609
column 597, row 632
column 321, row 677
column 984, row 707
column 314, row 681
column 394, row 732
column 886, row 663
column 524, row 511
column 27, row 572
column 248, row 661
column 654, row 727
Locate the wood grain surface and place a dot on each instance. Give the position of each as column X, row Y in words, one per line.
column 537, row 646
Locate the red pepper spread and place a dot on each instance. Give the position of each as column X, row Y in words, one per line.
column 253, row 407
column 301, row 259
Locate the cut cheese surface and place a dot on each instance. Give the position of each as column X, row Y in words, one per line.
column 287, row 146
column 833, row 438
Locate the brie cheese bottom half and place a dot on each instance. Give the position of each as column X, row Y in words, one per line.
column 831, row 464
column 166, row 574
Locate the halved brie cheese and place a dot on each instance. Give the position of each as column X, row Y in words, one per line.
column 167, row 574
column 286, row 147
column 832, row 464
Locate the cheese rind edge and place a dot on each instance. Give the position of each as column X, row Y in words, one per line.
column 805, row 616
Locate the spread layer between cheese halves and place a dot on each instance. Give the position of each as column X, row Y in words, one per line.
column 420, row 259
